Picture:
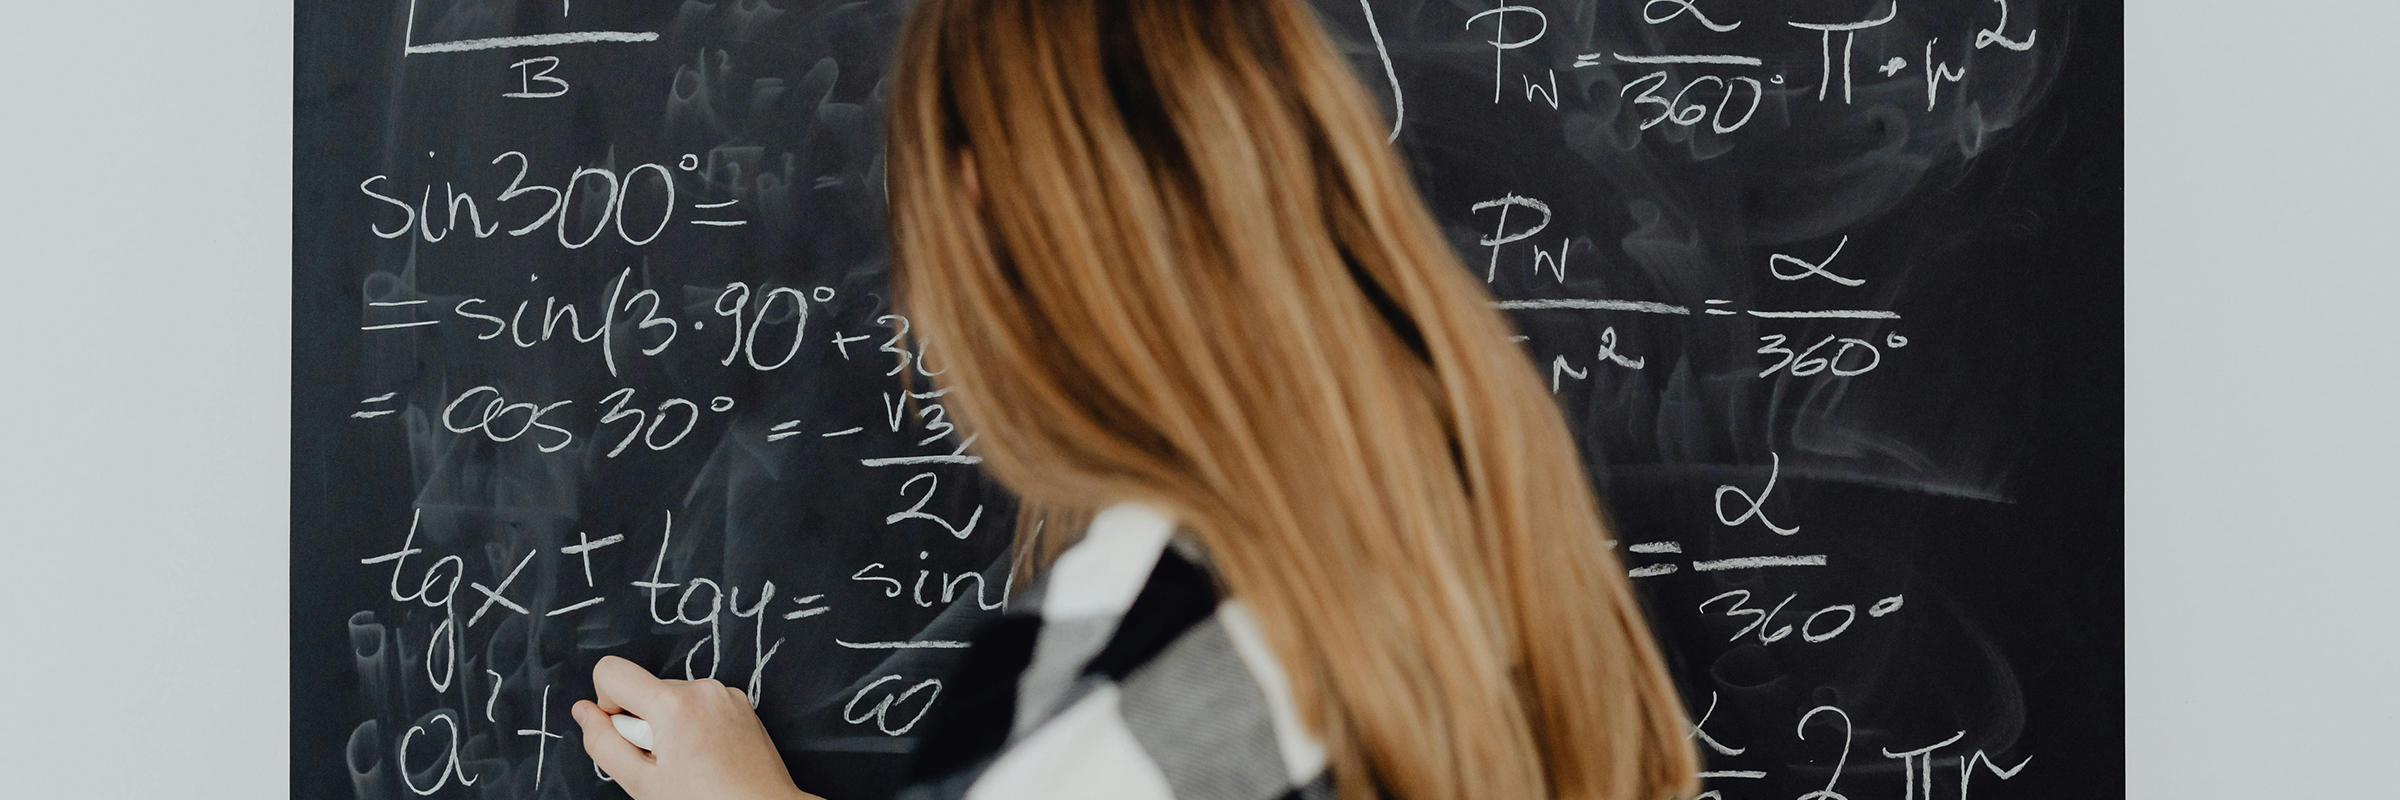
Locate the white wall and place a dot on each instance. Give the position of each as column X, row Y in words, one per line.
column 2262, row 403
column 144, row 219
column 145, row 184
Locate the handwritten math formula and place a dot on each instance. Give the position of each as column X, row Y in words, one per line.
column 595, row 353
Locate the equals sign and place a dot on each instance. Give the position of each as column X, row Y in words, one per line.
column 385, row 397
column 1719, row 311
column 783, row 431
column 806, row 611
column 721, row 223
column 1653, row 569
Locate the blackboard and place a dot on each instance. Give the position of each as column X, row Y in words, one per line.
column 592, row 353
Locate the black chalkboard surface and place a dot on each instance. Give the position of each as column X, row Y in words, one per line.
column 592, row 353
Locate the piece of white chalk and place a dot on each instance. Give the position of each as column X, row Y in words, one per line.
column 634, row 729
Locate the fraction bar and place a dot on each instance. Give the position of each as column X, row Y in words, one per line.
column 933, row 644
column 1643, row 306
column 537, row 40
column 907, row 460
column 1745, row 61
column 1753, row 562
column 1842, row 313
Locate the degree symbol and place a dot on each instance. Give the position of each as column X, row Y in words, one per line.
column 1895, row 340
column 824, row 294
column 720, row 403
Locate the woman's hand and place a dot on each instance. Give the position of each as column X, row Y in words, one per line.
column 709, row 743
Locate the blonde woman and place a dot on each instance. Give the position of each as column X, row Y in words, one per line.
column 1339, row 542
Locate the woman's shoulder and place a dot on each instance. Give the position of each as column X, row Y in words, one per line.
column 1124, row 674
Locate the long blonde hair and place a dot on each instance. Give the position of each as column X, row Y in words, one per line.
column 1195, row 274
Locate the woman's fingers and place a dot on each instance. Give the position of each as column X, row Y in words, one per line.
column 619, row 758
column 708, row 741
column 624, row 686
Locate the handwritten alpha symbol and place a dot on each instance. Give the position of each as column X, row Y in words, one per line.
column 1700, row 731
column 1774, row 469
column 1682, row 7
column 1993, row 35
column 1608, row 350
column 1775, row 266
